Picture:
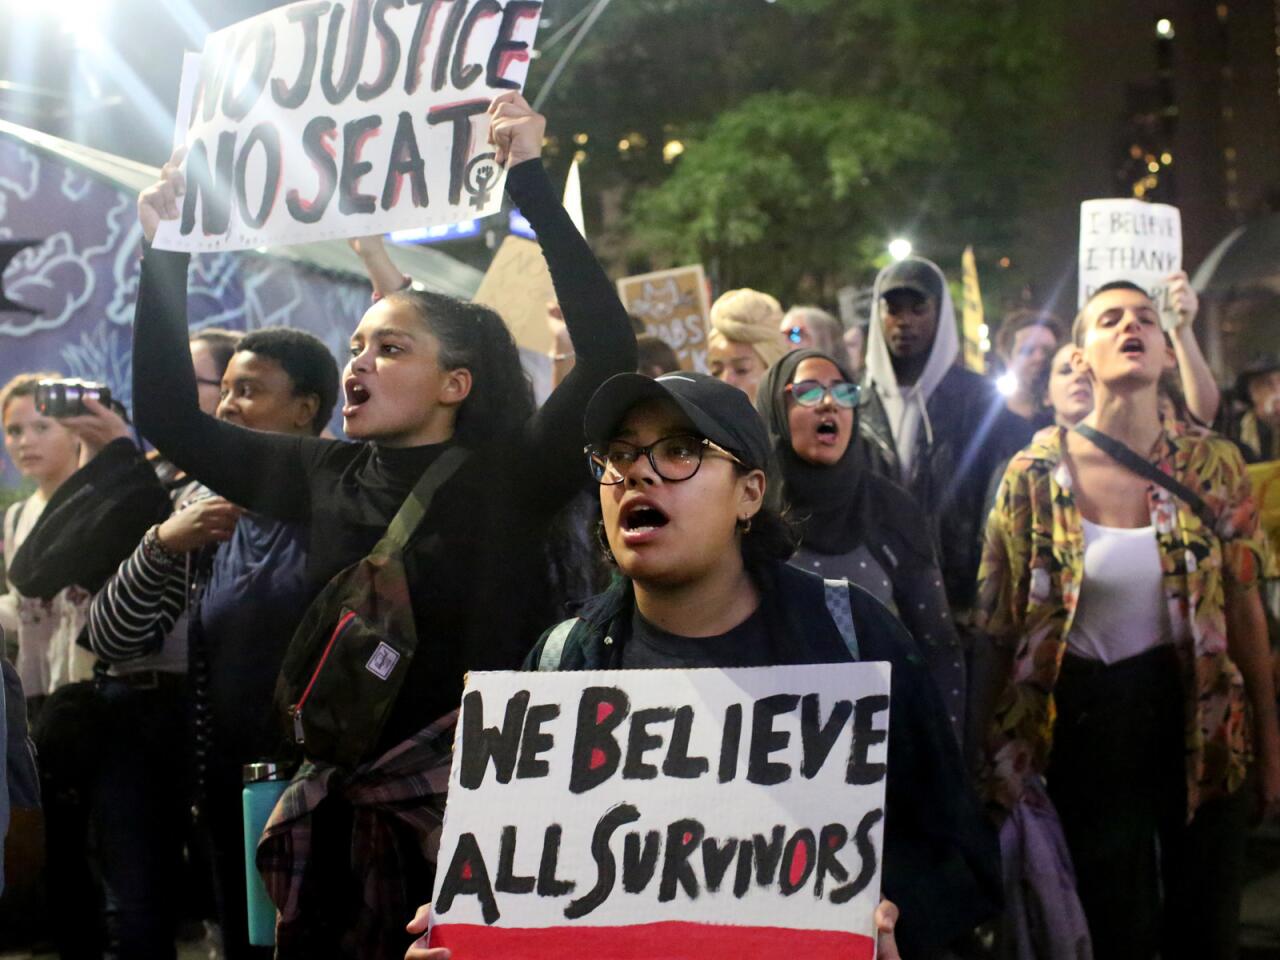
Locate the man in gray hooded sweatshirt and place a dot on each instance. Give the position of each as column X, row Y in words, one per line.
column 935, row 428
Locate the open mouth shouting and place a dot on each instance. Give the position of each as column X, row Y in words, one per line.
column 828, row 431
column 356, row 394
column 640, row 521
column 1133, row 347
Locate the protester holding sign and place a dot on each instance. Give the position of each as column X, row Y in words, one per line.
column 1119, row 588
column 428, row 374
column 681, row 464
column 855, row 524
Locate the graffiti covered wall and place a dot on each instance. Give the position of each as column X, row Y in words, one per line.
column 80, row 276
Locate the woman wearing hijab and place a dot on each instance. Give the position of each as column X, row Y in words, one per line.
column 855, row 524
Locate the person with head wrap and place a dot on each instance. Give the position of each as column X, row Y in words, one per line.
column 934, row 427
column 745, row 339
column 855, row 524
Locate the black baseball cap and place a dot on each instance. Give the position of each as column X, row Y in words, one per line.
column 912, row 274
column 719, row 412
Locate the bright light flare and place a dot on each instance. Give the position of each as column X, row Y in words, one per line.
column 1164, row 28
column 1007, row 384
column 900, row 248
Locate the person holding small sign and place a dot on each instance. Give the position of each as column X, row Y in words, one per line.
column 681, row 462
column 1119, row 591
column 428, row 375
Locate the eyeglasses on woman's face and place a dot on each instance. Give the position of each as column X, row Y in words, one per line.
column 673, row 458
column 810, row 393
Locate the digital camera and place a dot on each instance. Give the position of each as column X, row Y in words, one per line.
column 65, row 398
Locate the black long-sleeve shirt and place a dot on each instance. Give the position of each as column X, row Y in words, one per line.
column 476, row 569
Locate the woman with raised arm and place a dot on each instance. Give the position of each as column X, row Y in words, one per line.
column 1119, row 589
column 427, row 373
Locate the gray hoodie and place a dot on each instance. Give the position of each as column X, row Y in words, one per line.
column 905, row 407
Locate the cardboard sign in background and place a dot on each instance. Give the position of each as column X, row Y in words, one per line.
column 700, row 814
column 674, row 307
column 518, row 285
column 1130, row 240
column 319, row 121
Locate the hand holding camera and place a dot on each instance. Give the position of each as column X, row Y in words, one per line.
column 96, row 427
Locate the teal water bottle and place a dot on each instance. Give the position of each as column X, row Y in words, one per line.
column 263, row 785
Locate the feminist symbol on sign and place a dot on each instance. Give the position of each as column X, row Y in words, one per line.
column 478, row 179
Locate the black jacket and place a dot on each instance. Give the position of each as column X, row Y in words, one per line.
column 941, row 857
column 973, row 435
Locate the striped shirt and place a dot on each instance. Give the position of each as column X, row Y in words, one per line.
column 138, row 620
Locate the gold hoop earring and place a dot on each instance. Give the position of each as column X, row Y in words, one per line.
column 744, row 525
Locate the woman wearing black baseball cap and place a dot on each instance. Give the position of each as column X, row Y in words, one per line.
column 681, row 462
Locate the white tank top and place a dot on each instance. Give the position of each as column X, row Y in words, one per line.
column 1122, row 610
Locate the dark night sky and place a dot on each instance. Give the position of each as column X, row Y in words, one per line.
column 1111, row 47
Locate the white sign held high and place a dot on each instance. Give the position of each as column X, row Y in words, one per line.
column 318, row 121
column 683, row 814
column 1129, row 240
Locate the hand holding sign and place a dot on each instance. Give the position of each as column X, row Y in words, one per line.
column 515, row 130
column 316, row 121
column 1183, row 302
column 160, row 200
column 886, row 919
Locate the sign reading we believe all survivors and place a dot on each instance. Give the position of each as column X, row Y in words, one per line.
column 682, row 814
column 321, row 120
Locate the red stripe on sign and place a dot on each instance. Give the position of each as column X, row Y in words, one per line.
column 667, row 941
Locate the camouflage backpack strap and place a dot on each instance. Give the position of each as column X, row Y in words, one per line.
column 553, row 649
column 841, row 611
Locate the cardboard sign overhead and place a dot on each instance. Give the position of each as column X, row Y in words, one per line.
column 674, row 307
column 317, row 121
column 518, row 285
column 1130, row 240
column 682, row 814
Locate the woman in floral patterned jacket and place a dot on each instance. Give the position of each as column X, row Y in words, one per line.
column 1133, row 652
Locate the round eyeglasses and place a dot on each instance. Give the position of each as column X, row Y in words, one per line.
column 809, row 393
column 672, row 458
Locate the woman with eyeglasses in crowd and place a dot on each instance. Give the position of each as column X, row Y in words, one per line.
column 427, row 373
column 681, row 462
column 853, row 523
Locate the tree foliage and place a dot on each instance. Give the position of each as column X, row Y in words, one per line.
column 814, row 130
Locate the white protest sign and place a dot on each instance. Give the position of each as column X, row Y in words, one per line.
column 681, row 814
column 320, row 120
column 1129, row 240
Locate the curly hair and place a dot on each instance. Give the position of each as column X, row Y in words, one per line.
column 474, row 338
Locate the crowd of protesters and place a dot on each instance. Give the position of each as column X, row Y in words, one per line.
column 1065, row 576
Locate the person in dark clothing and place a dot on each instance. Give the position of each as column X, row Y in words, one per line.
column 680, row 461
column 853, row 523
column 278, row 380
column 1254, row 423
column 935, row 428
column 427, row 372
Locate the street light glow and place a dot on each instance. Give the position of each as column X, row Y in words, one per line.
column 900, row 248
column 1164, row 28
